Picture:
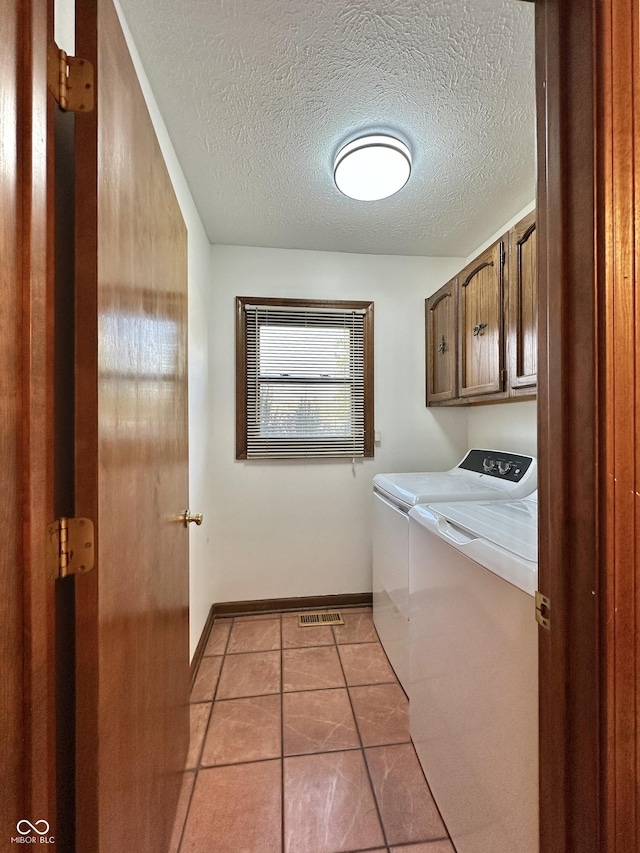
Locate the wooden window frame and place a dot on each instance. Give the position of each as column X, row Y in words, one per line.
column 241, row 366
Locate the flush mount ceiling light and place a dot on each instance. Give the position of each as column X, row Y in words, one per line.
column 372, row 167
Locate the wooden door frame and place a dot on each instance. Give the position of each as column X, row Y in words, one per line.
column 28, row 647
column 37, row 509
column 586, row 801
column 587, row 209
column 618, row 127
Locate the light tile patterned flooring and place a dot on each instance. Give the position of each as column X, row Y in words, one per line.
column 300, row 744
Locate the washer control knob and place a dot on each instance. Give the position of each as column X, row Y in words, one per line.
column 488, row 464
column 504, row 467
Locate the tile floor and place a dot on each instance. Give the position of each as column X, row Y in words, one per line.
column 300, row 744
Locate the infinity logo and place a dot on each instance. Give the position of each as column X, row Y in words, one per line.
column 32, row 827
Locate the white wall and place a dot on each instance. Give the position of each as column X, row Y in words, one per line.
column 64, row 25
column 199, row 249
column 296, row 528
column 508, row 426
column 504, row 426
column 502, row 230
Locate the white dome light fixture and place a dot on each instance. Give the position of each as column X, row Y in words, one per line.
column 372, row 167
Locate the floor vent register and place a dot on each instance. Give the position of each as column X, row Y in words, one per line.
column 332, row 617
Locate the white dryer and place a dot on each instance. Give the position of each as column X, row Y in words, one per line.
column 480, row 475
column 474, row 669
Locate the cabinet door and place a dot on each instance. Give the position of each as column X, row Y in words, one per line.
column 481, row 324
column 442, row 343
column 523, row 315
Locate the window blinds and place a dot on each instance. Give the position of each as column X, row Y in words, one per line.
column 305, row 381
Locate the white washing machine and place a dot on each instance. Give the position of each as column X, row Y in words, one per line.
column 480, row 475
column 474, row 669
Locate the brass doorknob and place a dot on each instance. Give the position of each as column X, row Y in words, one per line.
column 188, row 517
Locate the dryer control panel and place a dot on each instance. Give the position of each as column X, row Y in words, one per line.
column 503, row 466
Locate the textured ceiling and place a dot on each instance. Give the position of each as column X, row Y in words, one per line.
column 258, row 95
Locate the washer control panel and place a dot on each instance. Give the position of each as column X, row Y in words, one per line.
column 504, row 466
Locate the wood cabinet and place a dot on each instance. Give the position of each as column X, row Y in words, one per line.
column 442, row 343
column 522, row 324
column 481, row 327
column 480, row 324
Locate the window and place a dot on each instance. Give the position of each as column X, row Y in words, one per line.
column 304, row 378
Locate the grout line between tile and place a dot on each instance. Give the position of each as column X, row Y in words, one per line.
column 364, row 758
column 186, row 814
column 226, row 645
column 204, row 739
column 389, row 662
column 324, row 752
column 198, row 765
column 306, row 690
column 224, row 651
column 240, row 763
column 252, row 652
column 282, row 803
column 405, row 844
column 424, row 775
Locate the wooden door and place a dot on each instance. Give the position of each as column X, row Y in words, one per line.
column 442, row 343
column 480, row 323
column 27, row 598
column 131, row 461
column 522, row 324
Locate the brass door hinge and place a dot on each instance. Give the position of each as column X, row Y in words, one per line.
column 70, row 547
column 70, row 80
column 543, row 610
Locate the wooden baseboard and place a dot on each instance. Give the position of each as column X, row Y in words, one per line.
column 275, row 605
column 202, row 644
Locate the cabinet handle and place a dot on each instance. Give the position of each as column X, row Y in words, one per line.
column 477, row 330
column 443, row 345
column 189, row 517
